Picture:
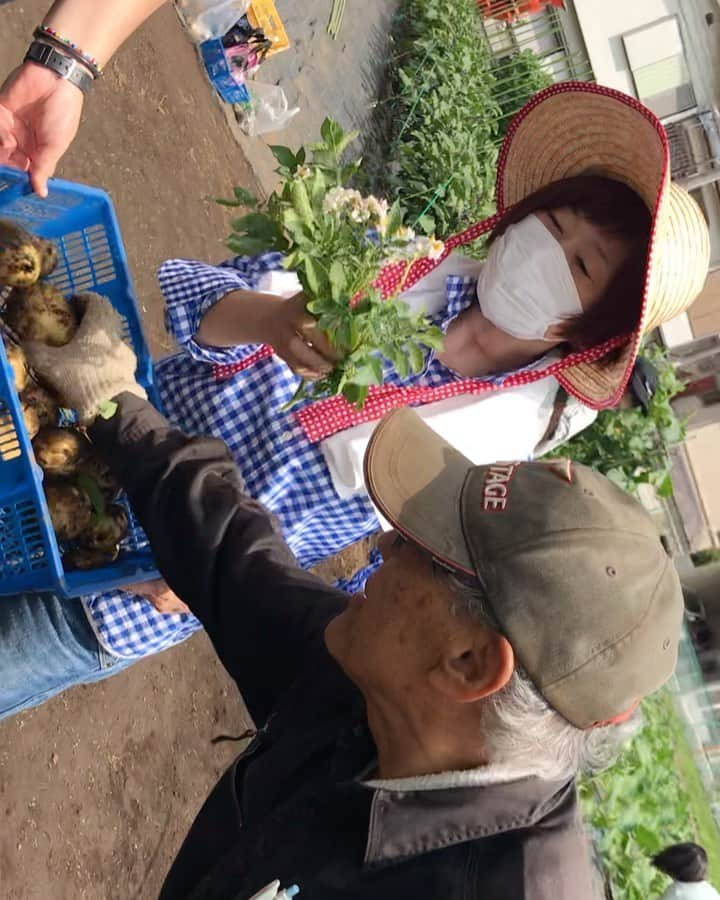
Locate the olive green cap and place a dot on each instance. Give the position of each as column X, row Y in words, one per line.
column 574, row 569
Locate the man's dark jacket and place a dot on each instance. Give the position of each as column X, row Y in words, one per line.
column 294, row 805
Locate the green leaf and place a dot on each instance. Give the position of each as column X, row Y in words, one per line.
column 300, row 156
column 369, row 373
column 242, row 195
column 332, row 134
column 395, row 218
column 92, row 489
column 338, row 279
column 301, row 202
column 257, row 225
column 224, row 202
column 417, row 358
column 247, row 246
column 665, row 488
column 356, row 394
column 284, row 156
column 425, row 223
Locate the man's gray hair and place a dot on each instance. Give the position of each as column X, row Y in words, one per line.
column 521, row 731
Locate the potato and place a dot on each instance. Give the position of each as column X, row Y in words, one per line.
column 82, row 558
column 107, row 530
column 59, row 451
column 18, row 363
column 41, row 313
column 32, row 421
column 42, row 401
column 48, row 254
column 20, row 259
column 70, row 509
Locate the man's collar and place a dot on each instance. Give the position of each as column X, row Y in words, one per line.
column 407, row 824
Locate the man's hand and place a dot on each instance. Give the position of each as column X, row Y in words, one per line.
column 95, row 366
column 295, row 337
column 160, row 595
column 39, row 117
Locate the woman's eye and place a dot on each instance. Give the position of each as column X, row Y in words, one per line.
column 554, row 220
column 583, row 268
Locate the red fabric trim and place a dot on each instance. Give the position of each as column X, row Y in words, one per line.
column 616, row 720
column 225, row 372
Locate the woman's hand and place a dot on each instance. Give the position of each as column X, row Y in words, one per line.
column 250, row 317
column 39, row 117
column 160, row 595
column 295, row 337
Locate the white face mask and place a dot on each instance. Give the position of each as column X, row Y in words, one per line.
column 526, row 285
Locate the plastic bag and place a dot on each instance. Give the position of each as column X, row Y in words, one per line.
column 206, row 19
column 267, row 110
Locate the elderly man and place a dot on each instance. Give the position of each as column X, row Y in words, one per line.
column 421, row 740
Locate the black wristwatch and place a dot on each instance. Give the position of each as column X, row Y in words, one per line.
column 60, row 63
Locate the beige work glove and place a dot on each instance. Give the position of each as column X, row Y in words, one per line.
column 95, row 366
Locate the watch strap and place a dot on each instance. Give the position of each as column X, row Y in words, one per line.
column 61, row 63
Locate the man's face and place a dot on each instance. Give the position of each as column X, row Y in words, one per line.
column 390, row 639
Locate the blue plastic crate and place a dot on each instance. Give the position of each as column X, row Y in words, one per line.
column 81, row 222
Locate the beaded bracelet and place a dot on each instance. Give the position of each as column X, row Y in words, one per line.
column 47, row 33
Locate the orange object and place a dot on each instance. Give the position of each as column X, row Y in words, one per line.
column 262, row 14
column 512, row 10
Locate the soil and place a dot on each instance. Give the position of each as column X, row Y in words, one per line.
column 99, row 785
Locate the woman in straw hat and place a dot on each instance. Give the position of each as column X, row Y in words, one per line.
column 590, row 248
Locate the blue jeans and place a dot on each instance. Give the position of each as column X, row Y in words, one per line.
column 46, row 646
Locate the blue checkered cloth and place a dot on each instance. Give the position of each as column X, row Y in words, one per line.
column 280, row 466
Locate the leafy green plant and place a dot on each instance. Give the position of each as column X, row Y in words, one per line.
column 517, row 78
column 643, row 803
column 337, row 241
column 631, row 448
column 705, row 557
column 448, row 107
column 441, row 154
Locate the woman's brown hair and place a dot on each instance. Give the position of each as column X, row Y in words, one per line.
column 617, row 209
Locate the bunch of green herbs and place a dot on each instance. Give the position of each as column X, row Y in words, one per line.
column 337, row 241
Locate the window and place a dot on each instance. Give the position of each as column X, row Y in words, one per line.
column 656, row 56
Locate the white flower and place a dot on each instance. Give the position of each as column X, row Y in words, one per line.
column 430, row 247
column 334, row 200
column 359, row 214
column 436, row 249
column 378, row 209
column 304, row 171
column 405, row 234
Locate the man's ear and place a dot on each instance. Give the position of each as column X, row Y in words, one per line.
column 474, row 668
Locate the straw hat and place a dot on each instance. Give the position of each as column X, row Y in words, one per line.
column 577, row 127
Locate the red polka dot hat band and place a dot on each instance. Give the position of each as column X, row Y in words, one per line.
column 565, row 130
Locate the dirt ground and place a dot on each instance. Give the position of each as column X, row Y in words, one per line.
column 98, row 787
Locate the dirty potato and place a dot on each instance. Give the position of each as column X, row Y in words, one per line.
column 18, row 363
column 70, row 509
column 107, row 530
column 20, row 259
column 59, row 451
column 48, row 254
column 82, row 558
column 42, row 402
column 32, row 421
column 41, row 313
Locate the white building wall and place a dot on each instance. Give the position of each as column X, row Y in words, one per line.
column 603, row 22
